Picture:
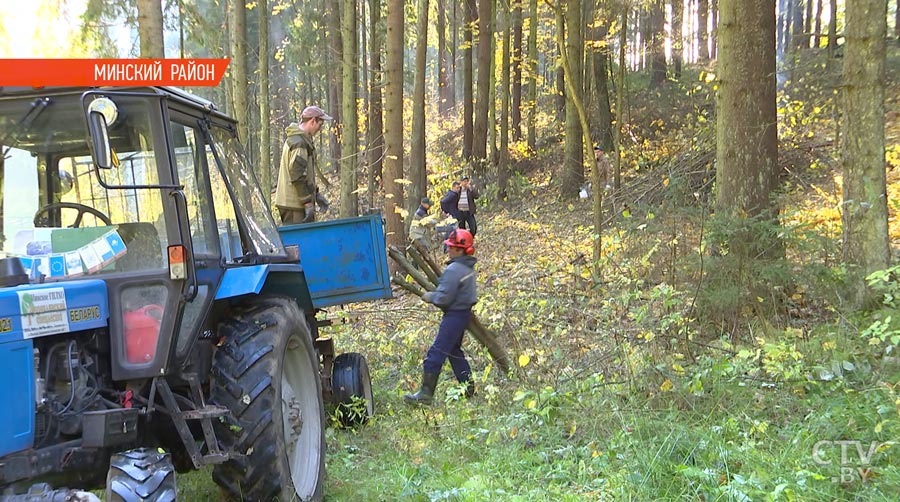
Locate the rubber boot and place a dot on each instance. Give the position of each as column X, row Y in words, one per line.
column 470, row 388
column 426, row 393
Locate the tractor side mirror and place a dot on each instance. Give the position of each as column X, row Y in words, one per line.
column 102, row 112
column 102, row 151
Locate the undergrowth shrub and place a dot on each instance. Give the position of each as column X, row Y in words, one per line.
column 742, row 284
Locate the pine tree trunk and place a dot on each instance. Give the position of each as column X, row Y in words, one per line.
column 150, row 28
column 239, row 66
column 265, row 117
column 560, row 91
column 503, row 164
column 492, row 100
column 646, row 32
column 687, row 34
column 657, row 43
column 483, row 87
column 714, row 29
column 454, row 54
column 516, row 60
column 601, row 84
column 349, row 139
column 282, row 92
column 832, row 29
column 469, row 80
column 746, row 136
column 333, row 60
column 229, row 75
column 677, row 37
column 375, row 129
column 622, row 116
column 797, row 24
column 866, row 245
column 443, row 67
column 362, row 59
column 417, row 162
column 702, row 33
column 533, row 74
column 573, row 168
column 393, row 125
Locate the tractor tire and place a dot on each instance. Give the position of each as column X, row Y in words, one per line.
column 266, row 372
column 350, row 382
column 141, row 475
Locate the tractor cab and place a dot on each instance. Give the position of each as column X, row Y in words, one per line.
column 150, row 313
column 169, row 204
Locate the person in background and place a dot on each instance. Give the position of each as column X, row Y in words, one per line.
column 455, row 295
column 296, row 193
column 448, row 208
column 448, row 202
column 466, row 206
column 602, row 165
column 418, row 228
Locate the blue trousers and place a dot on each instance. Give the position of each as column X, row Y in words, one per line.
column 448, row 345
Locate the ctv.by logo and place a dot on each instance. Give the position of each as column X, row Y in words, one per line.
column 856, row 458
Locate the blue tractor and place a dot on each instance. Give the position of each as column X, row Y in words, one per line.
column 153, row 317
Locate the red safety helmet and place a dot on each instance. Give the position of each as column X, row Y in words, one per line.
column 461, row 238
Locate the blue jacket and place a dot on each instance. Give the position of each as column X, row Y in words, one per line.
column 456, row 288
column 448, row 203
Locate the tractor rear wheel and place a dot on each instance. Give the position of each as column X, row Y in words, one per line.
column 267, row 373
column 141, row 475
column 352, row 388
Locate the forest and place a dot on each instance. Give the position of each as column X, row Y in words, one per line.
column 712, row 316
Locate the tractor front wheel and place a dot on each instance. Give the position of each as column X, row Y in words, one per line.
column 352, row 388
column 267, row 373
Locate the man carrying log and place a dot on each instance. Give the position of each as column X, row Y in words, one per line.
column 455, row 295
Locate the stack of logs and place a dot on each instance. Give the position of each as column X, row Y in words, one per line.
column 423, row 269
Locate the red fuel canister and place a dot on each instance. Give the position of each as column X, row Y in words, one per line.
column 141, row 333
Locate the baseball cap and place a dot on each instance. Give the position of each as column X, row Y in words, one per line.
column 426, row 200
column 315, row 112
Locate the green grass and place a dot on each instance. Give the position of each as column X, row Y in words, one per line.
column 736, row 441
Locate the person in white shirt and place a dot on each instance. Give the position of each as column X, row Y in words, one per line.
column 465, row 206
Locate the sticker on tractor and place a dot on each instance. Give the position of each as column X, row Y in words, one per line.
column 43, row 312
column 92, row 262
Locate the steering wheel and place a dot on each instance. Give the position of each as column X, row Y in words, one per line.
column 42, row 216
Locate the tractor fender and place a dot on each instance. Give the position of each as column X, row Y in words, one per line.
column 274, row 278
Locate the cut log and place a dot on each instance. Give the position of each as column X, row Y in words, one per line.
column 487, row 338
column 412, row 288
column 423, row 265
column 428, row 259
column 410, row 269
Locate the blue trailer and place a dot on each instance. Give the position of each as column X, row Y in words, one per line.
column 344, row 260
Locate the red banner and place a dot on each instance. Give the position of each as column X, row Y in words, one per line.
column 117, row 72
